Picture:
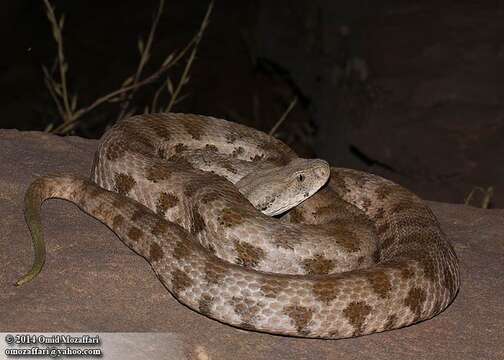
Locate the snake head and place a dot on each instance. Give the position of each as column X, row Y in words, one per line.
column 274, row 190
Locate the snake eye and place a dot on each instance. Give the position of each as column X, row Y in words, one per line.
column 300, row 178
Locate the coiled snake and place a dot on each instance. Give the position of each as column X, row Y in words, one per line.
column 361, row 255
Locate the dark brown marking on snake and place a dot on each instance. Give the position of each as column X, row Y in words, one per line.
column 296, row 216
column 380, row 214
column 214, row 273
column 228, row 165
column 326, row 291
column 191, row 188
column 356, row 313
column 301, row 317
column 419, row 254
column 286, row 239
column 238, row 151
column 180, row 281
column 211, row 148
column 347, row 238
column 157, row 173
column 138, row 214
column 380, row 282
column 123, row 183
column 384, row 191
column 178, row 148
column 318, row 265
column 91, row 190
column 198, row 223
column 402, row 206
column 161, row 153
column 158, row 127
column 156, row 253
column 415, row 301
column 210, row 196
column 117, row 221
column 160, row 227
column 230, row 217
column 165, row 201
column 135, row 233
column 205, row 304
column 245, row 308
column 248, row 255
column 194, row 128
column 366, row 204
column 230, row 137
column 182, row 250
column 256, row 158
column 391, row 322
column 272, row 288
column 115, row 150
column 338, row 183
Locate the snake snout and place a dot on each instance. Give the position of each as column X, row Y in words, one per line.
column 322, row 170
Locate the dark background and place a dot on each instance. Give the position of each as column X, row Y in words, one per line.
column 410, row 90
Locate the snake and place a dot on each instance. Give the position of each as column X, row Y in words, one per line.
column 242, row 230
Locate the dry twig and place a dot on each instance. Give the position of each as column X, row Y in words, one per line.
column 67, row 104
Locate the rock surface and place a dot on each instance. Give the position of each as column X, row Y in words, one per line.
column 92, row 282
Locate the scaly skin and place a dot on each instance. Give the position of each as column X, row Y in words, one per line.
column 413, row 276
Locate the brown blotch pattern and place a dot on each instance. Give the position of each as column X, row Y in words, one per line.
column 245, row 308
column 211, row 148
column 117, row 221
column 161, row 153
column 230, row 137
column 135, row 233
column 194, row 128
column 178, row 148
column 356, row 313
column 296, row 216
column 366, row 203
column 198, row 223
column 415, row 301
column 204, row 304
column 380, row 214
column 380, row 283
column 256, row 158
column 347, row 238
column 209, row 197
column 230, row 217
column 156, row 253
column 115, row 150
column 182, row 250
column 228, row 165
column 165, row 201
column 123, row 183
column 248, row 255
column 286, row 239
column 180, row 281
column 383, row 191
column 158, row 127
column 138, row 214
column 160, row 227
column 157, row 173
column 191, row 188
column 300, row 316
column 326, row 291
column 391, row 322
column 272, row 288
column 237, row 151
column 214, row 273
column 318, row 265
column 401, row 206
